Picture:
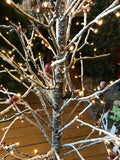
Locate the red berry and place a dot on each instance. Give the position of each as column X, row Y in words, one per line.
column 103, row 84
column 99, row 88
column 15, row 98
column 1, row 88
column 11, row 101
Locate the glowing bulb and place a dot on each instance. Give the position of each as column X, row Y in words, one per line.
column 109, row 151
column 102, row 102
column 17, row 144
column 3, row 51
column 100, row 22
column 77, row 23
column 93, row 101
column 18, row 95
column 35, row 151
column 6, row 18
column 73, row 67
column 71, row 47
column 76, row 76
column 95, row 49
column 8, row 1
column 95, row 30
column 10, row 52
column 92, row 43
column 45, row 4
column 106, row 141
column 111, row 82
column 11, row 152
column 117, row 14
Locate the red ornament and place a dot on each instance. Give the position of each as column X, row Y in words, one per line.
column 19, row 29
column 103, row 84
column 112, row 155
column 11, row 101
column 44, row 43
column 15, row 98
column 47, row 67
column 99, row 88
column 1, row 88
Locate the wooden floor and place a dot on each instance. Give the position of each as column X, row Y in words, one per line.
column 31, row 138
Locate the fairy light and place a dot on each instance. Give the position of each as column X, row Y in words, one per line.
column 73, row 67
column 102, row 102
column 18, row 95
column 117, row 14
column 45, row 4
column 6, row 18
column 3, row 51
column 17, row 144
column 8, row 1
column 111, row 82
column 95, row 49
column 109, row 151
column 10, row 52
column 95, row 31
column 35, row 151
column 21, row 78
column 11, row 152
column 100, row 22
column 92, row 43
column 77, row 23
column 71, row 47
column 93, row 101
column 106, row 141
column 76, row 77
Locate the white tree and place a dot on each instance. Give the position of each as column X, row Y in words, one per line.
column 50, row 87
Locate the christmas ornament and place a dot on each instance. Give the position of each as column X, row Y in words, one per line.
column 19, row 29
column 48, row 68
column 44, row 43
column 102, row 85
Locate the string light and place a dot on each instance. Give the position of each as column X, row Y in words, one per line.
column 35, row 151
column 73, row 67
column 71, row 47
column 95, row 30
column 100, row 22
column 117, row 14
column 8, row 1
column 92, row 43
column 45, row 4
column 6, row 18
column 93, row 101
column 3, row 51
column 95, row 49
column 111, row 82
column 11, row 152
column 77, row 23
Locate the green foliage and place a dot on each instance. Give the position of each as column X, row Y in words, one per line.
column 116, row 114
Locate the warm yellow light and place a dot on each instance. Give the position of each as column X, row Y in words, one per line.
column 95, row 30
column 100, row 22
column 17, row 144
column 95, row 49
column 77, row 23
column 3, row 51
column 8, row 1
column 10, row 52
column 106, row 141
column 93, row 101
column 35, row 151
column 73, row 67
column 71, row 47
column 45, row 4
column 102, row 102
column 11, row 152
column 6, row 18
column 109, row 151
column 117, row 142
column 18, row 95
column 92, row 43
column 111, row 82
column 117, row 14
column 37, row 10
column 76, row 76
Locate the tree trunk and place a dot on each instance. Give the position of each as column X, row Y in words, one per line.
column 59, row 79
